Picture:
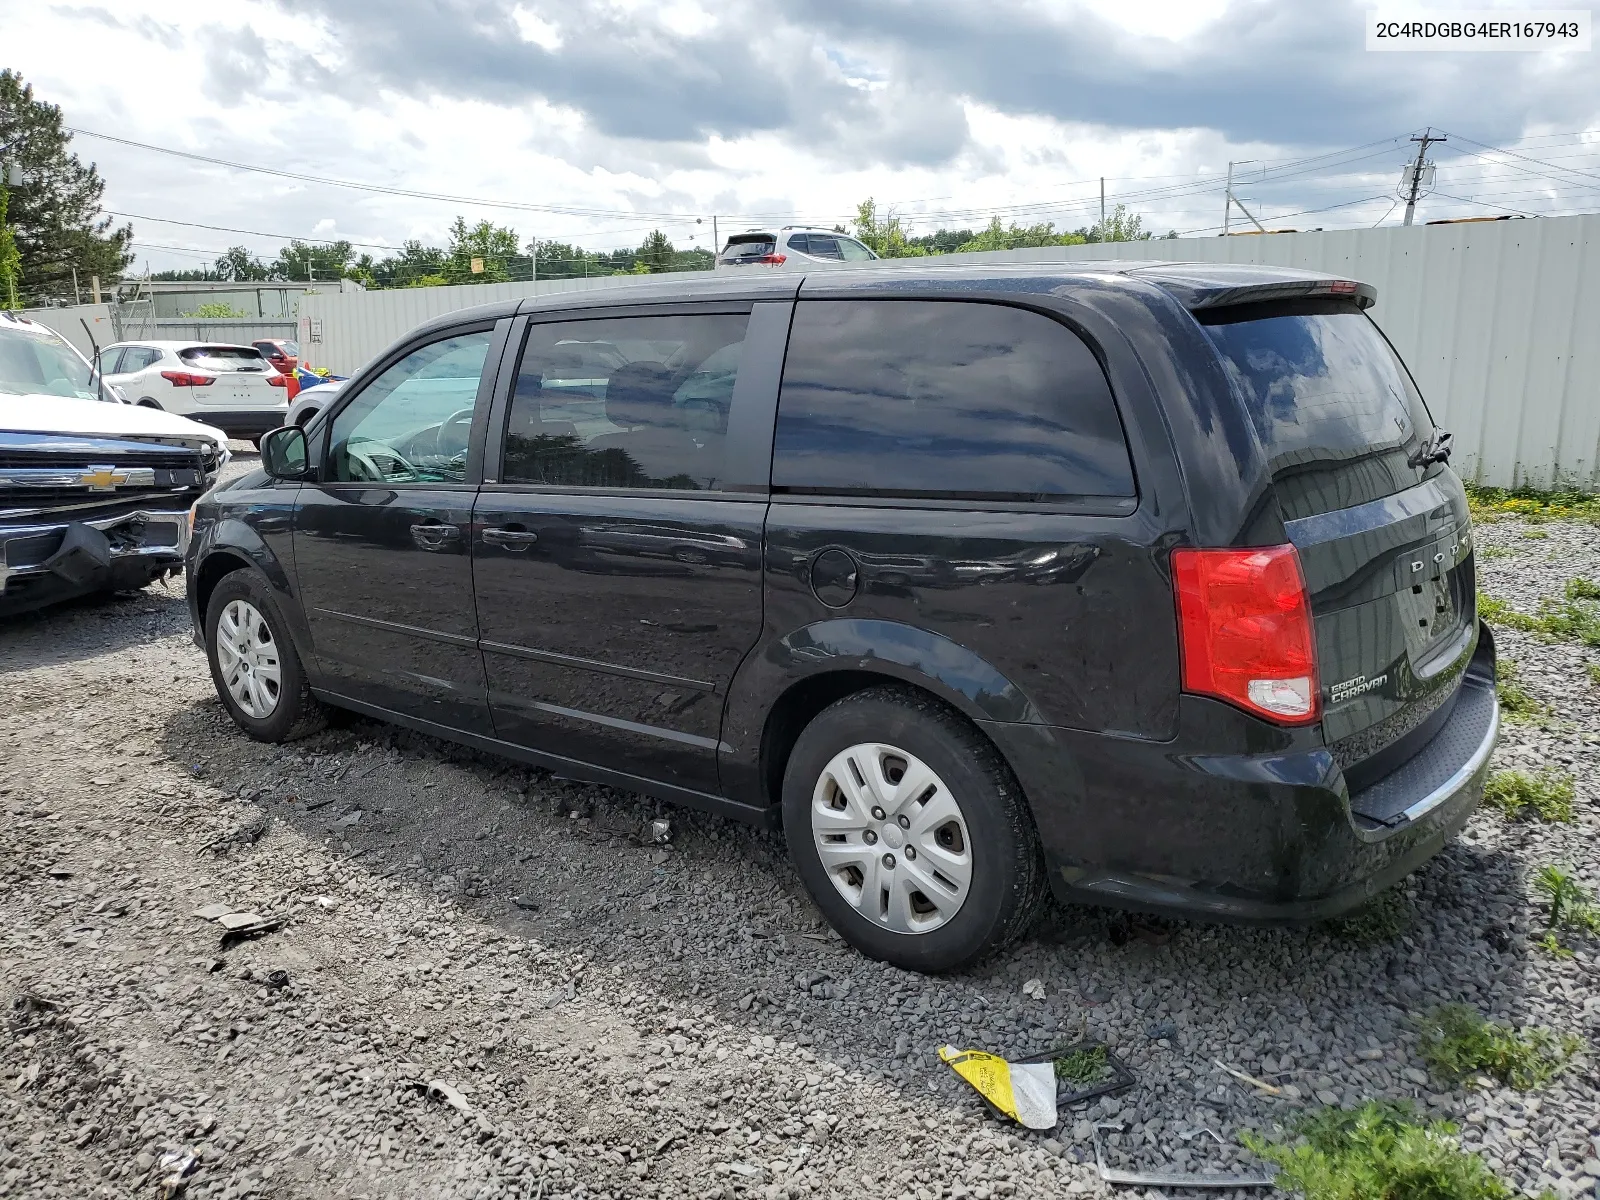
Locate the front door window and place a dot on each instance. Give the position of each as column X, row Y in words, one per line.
column 411, row 424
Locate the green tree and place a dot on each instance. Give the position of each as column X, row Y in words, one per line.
column 886, row 234
column 407, row 268
column 55, row 217
column 1120, row 226
column 655, row 252
column 494, row 246
column 1018, row 237
column 10, row 259
column 236, row 264
column 310, row 262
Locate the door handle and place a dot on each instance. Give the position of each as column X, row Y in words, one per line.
column 510, row 539
column 432, row 535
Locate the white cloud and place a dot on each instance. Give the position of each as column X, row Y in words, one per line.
column 629, row 116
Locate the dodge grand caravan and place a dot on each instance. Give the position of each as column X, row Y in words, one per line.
column 1149, row 583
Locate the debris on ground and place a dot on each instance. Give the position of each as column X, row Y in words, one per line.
column 1266, row 1087
column 437, row 1089
column 1174, row 1179
column 660, row 830
column 175, row 1167
column 1034, row 989
column 247, row 834
column 1025, row 1092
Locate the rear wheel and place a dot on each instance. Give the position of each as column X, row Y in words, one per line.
column 258, row 675
column 910, row 832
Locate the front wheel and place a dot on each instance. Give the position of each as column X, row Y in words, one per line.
column 910, row 832
column 258, row 675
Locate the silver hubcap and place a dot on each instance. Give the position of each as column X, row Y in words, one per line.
column 892, row 838
column 248, row 658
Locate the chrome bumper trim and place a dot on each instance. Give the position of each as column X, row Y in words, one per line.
column 1463, row 774
column 178, row 520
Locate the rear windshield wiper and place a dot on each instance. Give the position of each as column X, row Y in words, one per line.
column 1435, row 450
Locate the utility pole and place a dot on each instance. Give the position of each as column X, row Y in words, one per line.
column 1102, row 208
column 1412, row 179
column 1230, row 200
column 533, row 249
column 716, row 242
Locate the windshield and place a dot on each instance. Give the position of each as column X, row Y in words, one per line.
column 42, row 364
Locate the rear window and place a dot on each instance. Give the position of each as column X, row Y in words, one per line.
column 224, row 358
column 945, row 400
column 749, row 246
column 1333, row 407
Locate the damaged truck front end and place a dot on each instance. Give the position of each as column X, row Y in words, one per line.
column 81, row 514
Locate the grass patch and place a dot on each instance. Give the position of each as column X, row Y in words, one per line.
column 1547, row 794
column 1593, row 670
column 1571, row 909
column 1380, row 1151
column 1457, row 1043
column 1515, row 702
column 1382, row 919
column 1489, row 504
column 1082, row 1067
column 1495, row 552
column 1574, row 616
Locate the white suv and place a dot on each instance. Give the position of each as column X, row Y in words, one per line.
column 231, row 387
column 791, row 248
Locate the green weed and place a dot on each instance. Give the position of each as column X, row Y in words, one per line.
column 1572, row 617
column 1495, row 552
column 1488, row 504
column 1515, row 702
column 1537, row 534
column 1547, row 793
column 1457, row 1042
column 1380, row 1151
column 1593, row 670
column 1083, row 1066
column 1382, row 919
column 1571, row 906
column 1551, row 945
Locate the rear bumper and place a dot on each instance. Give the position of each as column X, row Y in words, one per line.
column 137, row 548
column 1264, row 836
column 244, row 422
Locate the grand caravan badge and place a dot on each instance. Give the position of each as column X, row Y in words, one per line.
column 1359, row 686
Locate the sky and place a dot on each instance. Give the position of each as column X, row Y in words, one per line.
column 597, row 121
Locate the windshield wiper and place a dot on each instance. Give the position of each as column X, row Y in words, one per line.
column 1435, row 450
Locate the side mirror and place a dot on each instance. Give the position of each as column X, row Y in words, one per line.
column 285, row 454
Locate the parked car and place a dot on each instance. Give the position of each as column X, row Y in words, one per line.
column 792, row 248
column 311, row 400
column 231, row 387
column 1146, row 583
column 95, row 495
column 284, row 356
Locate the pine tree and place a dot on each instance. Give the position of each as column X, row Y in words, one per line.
column 55, row 216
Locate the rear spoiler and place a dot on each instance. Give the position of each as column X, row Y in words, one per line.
column 1198, row 296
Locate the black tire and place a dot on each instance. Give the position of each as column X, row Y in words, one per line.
column 1008, row 873
column 297, row 713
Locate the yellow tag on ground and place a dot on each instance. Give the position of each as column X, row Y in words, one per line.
column 1026, row 1093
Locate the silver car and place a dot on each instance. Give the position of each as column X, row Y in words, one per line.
column 792, row 248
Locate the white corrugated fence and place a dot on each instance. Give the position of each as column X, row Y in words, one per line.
column 1499, row 321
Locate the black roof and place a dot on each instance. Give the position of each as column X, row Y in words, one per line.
column 1195, row 285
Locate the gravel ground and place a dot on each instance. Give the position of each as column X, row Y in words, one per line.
column 624, row 1018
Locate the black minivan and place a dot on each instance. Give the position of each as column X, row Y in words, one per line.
column 1146, row 581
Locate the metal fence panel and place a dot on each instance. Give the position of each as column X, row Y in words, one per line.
column 1499, row 322
column 343, row 332
column 215, row 329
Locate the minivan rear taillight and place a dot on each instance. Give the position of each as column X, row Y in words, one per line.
column 771, row 260
column 1244, row 625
